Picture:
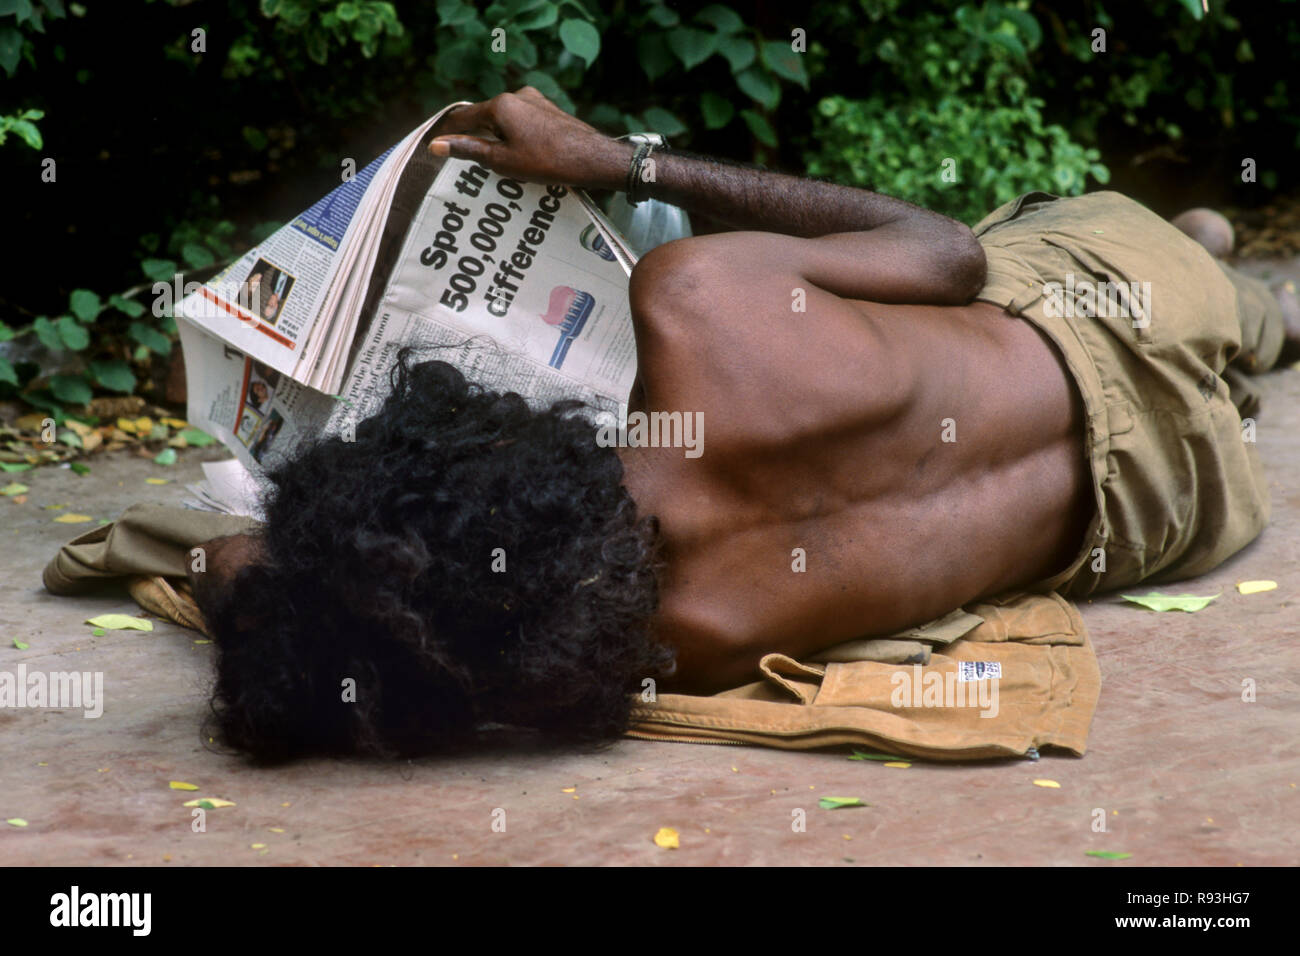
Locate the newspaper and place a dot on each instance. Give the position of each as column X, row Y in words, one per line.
column 521, row 286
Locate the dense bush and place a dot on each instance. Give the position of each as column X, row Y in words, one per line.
column 183, row 130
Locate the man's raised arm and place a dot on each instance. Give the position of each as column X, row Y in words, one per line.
column 854, row 243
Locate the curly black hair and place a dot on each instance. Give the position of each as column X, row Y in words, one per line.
column 379, row 563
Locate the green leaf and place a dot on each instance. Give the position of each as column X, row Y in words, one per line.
column 72, row 389
column 1170, row 602
column 758, row 85
column 165, row 457
column 692, row 46
column 7, row 373
column 1108, row 855
column 160, row 270
column 99, row 631
column 543, row 15
column 129, row 307
column 6, row 333
column 28, row 132
column 12, row 466
column 717, row 110
column 11, row 49
column 1026, row 25
column 114, row 375
column 72, row 333
column 581, row 39
column 196, row 438
column 14, row 488
column 79, row 468
column 1194, row 8
column 21, row 645
column 120, row 622
column 455, row 13
column 661, row 121
column 837, row 803
column 197, row 256
column 652, row 50
column 662, row 16
column 84, row 304
column 860, row 755
column 760, row 127
column 740, row 52
column 150, row 338
column 48, row 334
column 723, row 19
column 785, row 63
column 1008, row 42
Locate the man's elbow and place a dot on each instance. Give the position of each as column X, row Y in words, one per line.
column 964, row 264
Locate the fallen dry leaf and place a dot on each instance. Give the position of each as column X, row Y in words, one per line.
column 1255, row 587
column 181, row 785
column 120, row 622
column 667, row 838
column 1170, row 602
column 1050, row 784
column 71, row 518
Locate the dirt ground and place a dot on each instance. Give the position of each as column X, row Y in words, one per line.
column 1184, row 770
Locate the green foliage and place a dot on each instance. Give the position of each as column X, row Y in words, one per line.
column 1013, row 92
column 19, row 20
column 956, row 128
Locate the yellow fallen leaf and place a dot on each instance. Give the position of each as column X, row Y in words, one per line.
column 16, row 822
column 286, row 804
column 666, row 838
column 568, row 790
column 1255, row 587
column 900, row 764
column 215, row 801
column 258, row 846
column 156, row 481
column 144, row 425
column 126, row 425
column 179, row 785
column 1050, row 784
column 174, row 422
column 120, row 622
column 276, row 829
column 71, row 518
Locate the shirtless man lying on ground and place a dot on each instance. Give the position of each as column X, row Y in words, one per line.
column 952, row 417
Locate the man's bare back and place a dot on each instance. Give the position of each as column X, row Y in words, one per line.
column 826, row 432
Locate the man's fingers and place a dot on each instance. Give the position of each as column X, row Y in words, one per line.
column 533, row 95
column 464, row 119
column 464, row 147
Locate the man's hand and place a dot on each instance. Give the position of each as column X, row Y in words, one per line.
column 525, row 136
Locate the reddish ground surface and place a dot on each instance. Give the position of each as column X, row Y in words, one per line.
column 1184, row 770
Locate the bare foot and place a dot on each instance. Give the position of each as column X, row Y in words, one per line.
column 1211, row 229
column 1285, row 293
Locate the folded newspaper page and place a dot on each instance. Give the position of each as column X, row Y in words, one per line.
column 521, row 286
